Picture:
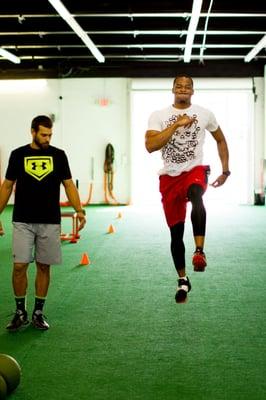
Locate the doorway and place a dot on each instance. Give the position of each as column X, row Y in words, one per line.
column 227, row 105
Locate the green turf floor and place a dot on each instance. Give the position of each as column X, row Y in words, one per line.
column 116, row 332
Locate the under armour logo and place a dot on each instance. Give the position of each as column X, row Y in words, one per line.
column 39, row 165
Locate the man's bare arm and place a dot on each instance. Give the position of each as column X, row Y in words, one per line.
column 74, row 199
column 5, row 193
column 155, row 140
column 223, row 154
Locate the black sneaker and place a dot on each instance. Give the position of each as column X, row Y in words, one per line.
column 38, row 321
column 184, row 286
column 19, row 320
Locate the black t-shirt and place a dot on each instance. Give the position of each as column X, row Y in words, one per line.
column 38, row 175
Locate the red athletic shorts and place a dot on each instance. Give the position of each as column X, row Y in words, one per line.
column 174, row 192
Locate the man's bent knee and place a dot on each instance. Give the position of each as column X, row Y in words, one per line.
column 195, row 192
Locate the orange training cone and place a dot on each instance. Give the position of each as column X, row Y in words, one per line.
column 119, row 215
column 85, row 259
column 111, row 229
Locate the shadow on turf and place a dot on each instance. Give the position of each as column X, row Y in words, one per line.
column 80, row 267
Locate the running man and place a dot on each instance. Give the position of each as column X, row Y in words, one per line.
column 178, row 131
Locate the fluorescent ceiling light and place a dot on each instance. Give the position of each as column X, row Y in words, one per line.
column 259, row 46
column 9, row 56
column 192, row 29
column 61, row 9
column 203, row 46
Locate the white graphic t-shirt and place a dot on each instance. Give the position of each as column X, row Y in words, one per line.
column 184, row 150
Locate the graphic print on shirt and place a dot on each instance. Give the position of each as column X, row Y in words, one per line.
column 38, row 166
column 181, row 147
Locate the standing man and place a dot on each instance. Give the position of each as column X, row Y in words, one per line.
column 179, row 131
column 37, row 169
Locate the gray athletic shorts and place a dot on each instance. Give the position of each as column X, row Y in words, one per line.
column 39, row 242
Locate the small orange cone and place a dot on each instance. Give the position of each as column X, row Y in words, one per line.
column 119, row 215
column 111, row 229
column 84, row 259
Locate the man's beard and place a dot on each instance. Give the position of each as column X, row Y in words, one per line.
column 42, row 146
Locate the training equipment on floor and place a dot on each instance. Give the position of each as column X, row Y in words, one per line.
column 90, row 184
column 85, row 259
column 111, row 229
column 10, row 373
column 74, row 235
column 86, row 202
column 89, row 195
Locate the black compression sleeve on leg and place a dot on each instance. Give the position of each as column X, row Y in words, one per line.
column 177, row 245
column 198, row 212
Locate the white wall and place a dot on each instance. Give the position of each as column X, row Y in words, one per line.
column 241, row 118
column 82, row 127
column 259, row 135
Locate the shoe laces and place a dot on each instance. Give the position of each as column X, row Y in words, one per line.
column 18, row 314
column 39, row 316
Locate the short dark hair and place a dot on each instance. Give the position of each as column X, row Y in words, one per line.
column 41, row 120
column 183, row 76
